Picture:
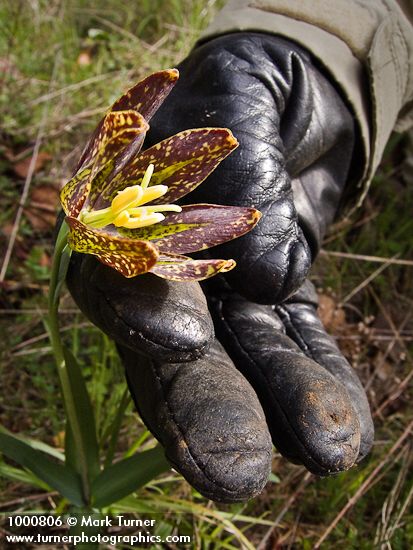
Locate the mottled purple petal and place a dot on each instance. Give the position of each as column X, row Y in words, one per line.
column 148, row 94
column 129, row 257
column 191, row 270
column 197, row 227
column 74, row 193
column 181, row 162
column 145, row 97
column 114, row 131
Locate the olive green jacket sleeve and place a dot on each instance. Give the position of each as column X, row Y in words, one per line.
column 366, row 46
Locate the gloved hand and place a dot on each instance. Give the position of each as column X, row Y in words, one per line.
column 272, row 372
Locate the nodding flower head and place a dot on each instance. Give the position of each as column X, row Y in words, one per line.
column 119, row 204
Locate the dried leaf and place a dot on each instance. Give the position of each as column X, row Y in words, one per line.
column 42, row 208
column 383, row 368
column 84, row 59
column 332, row 317
column 21, row 168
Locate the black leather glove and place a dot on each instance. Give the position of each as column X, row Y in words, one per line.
column 275, row 370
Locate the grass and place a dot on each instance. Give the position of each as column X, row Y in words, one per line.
column 62, row 63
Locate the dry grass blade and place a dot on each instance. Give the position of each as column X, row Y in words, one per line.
column 364, row 258
column 305, row 481
column 389, row 348
column 390, row 518
column 390, row 321
column 28, row 498
column 395, row 395
column 365, row 283
column 364, row 487
column 72, row 87
column 28, row 180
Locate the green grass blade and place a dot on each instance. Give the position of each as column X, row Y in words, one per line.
column 38, row 445
column 85, row 414
column 224, row 520
column 134, row 505
column 71, row 457
column 61, row 478
column 128, row 475
column 114, row 428
column 22, row 476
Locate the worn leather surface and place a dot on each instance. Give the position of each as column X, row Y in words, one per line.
column 146, row 313
column 209, row 420
column 272, row 373
column 316, row 408
column 296, row 141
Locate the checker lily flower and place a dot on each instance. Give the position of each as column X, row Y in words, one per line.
column 120, row 207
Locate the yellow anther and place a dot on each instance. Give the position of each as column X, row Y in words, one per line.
column 135, row 223
column 128, row 198
column 121, row 219
column 164, row 208
column 126, row 210
column 152, row 193
column 147, row 176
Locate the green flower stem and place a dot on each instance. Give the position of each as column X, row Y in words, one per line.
column 61, row 258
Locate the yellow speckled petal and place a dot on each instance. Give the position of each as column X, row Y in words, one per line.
column 73, row 194
column 197, row 227
column 158, row 231
column 113, row 132
column 181, row 162
column 191, row 270
column 117, row 129
column 129, row 257
column 146, row 96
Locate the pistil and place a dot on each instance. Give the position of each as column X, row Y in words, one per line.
column 127, row 208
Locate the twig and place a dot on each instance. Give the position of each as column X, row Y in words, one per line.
column 73, row 87
column 36, row 311
column 45, row 335
column 31, row 498
column 364, row 258
column 363, row 487
column 400, row 389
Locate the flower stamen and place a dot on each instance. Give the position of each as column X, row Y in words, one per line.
column 128, row 198
column 147, row 176
column 126, row 209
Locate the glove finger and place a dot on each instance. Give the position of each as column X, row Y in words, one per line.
column 309, row 412
column 275, row 252
column 304, row 326
column 209, row 420
column 147, row 314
